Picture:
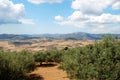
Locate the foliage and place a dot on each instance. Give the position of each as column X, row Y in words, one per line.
column 100, row 61
column 48, row 56
column 14, row 65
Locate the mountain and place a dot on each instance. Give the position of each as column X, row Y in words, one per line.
column 70, row 36
column 13, row 37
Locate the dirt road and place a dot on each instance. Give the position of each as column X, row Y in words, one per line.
column 48, row 72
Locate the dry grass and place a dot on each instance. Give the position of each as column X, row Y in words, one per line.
column 44, row 45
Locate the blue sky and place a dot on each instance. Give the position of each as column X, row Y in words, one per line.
column 59, row 16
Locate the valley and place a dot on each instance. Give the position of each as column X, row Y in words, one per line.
column 42, row 44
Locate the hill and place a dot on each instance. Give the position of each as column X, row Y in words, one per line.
column 70, row 36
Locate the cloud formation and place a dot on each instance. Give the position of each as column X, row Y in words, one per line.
column 11, row 13
column 90, row 14
column 116, row 4
column 44, row 1
column 90, row 6
column 58, row 18
column 94, row 6
column 26, row 21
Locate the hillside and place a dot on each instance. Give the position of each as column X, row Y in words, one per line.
column 38, row 44
column 70, row 36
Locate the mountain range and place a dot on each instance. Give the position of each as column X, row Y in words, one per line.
column 70, row 36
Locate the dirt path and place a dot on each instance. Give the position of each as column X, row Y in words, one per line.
column 50, row 72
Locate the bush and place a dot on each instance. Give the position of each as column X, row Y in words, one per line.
column 48, row 56
column 100, row 61
column 15, row 65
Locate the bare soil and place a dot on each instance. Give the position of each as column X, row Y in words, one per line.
column 48, row 72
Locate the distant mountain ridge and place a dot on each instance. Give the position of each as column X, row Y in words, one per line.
column 70, row 36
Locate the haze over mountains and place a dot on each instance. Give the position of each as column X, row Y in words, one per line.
column 70, row 36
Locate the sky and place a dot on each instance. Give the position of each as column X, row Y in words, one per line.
column 59, row 16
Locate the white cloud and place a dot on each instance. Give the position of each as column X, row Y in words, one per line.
column 26, row 21
column 78, row 16
column 58, row 18
column 44, row 1
column 116, row 5
column 10, row 12
column 82, row 20
column 90, row 6
column 96, row 24
column 94, row 7
column 89, row 14
column 105, row 19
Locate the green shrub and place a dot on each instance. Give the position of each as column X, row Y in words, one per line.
column 48, row 56
column 100, row 61
column 15, row 65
